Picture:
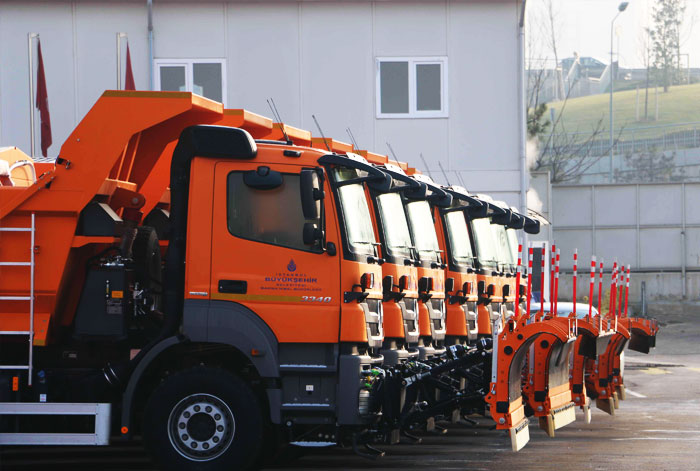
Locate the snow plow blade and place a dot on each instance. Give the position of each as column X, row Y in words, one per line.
column 591, row 342
column 642, row 334
column 603, row 376
column 510, row 351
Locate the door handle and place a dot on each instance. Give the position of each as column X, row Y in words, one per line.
column 233, row 286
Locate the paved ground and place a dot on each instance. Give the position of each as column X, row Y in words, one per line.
column 656, row 428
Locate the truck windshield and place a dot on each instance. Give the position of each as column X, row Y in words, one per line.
column 486, row 251
column 504, row 254
column 397, row 238
column 458, row 236
column 423, row 230
column 513, row 242
column 358, row 222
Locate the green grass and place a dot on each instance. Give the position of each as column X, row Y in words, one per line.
column 680, row 105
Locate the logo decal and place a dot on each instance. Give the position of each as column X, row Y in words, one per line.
column 291, row 266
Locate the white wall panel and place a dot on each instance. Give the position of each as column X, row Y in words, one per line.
column 569, row 240
column 661, row 248
column 264, row 62
column 692, row 247
column 660, row 204
column 338, row 70
column 96, row 27
column 616, row 243
column 615, row 205
column 483, row 88
column 409, row 29
column 692, row 203
column 194, row 30
column 571, row 206
column 55, row 26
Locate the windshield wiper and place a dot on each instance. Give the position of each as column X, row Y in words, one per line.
column 364, row 242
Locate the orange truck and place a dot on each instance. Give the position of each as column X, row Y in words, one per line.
column 269, row 310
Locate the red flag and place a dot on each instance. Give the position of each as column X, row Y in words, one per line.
column 129, row 80
column 42, row 102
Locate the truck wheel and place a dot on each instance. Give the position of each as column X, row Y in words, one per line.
column 203, row 419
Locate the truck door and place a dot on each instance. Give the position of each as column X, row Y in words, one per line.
column 259, row 258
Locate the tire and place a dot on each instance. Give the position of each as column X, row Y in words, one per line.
column 203, row 419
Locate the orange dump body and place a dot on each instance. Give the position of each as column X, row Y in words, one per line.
column 119, row 155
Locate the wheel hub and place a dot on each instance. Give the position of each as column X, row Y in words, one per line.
column 201, row 427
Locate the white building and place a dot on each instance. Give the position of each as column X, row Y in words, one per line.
column 437, row 78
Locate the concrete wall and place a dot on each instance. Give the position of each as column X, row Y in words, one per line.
column 313, row 57
column 655, row 228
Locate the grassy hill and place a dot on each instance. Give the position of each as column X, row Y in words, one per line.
column 680, row 105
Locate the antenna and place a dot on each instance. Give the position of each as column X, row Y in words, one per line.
column 459, row 176
column 444, row 174
column 426, row 165
column 321, row 132
column 352, row 138
column 391, row 149
column 278, row 118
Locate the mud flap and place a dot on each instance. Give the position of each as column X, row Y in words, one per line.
column 621, row 392
column 520, row 435
column 586, row 408
column 605, row 404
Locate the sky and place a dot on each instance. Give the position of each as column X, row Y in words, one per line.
column 584, row 26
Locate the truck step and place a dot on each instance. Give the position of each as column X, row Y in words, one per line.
column 100, row 411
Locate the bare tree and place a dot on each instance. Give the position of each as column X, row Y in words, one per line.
column 646, row 55
column 667, row 16
column 553, row 30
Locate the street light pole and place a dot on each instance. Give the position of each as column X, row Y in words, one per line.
column 620, row 9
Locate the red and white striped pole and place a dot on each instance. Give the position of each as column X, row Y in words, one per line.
column 529, row 278
column 556, row 285
column 544, row 254
column 627, row 289
column 621, row 290
column 600, row 290
column 517, row 281
column 592, row 289
column 573, row 295
column 551, row 278
column 613, row 290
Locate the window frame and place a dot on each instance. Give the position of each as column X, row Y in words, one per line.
column 188, row 63
column 313, row 250
column 413, row 112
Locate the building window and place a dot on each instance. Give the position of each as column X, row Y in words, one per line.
column 204, row 77
column 411, row 87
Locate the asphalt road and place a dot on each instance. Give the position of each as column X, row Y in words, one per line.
column 656, row 428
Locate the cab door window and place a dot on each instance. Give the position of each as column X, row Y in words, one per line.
column 272, row 216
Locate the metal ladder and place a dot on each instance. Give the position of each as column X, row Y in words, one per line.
column 30, row 333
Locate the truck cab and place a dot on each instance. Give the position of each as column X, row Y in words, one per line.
column 431, row 268
column 461, row 285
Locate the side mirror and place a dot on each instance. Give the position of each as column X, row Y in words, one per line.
column 311, row 193
column 466, row 288
column 366, row 281
column 425, row 284
column 403, row 283
column 312, row 233
column 388, row 284
column 449, row 285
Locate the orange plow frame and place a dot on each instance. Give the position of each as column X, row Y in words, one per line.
column 510, row 350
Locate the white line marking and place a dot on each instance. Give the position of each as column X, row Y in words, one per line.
column 697, row 439
column 635, row 394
